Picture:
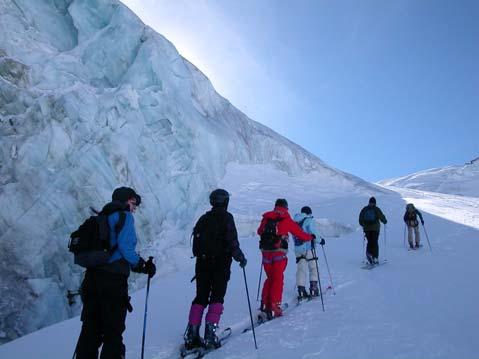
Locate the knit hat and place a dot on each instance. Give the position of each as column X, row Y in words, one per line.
column 281, row 202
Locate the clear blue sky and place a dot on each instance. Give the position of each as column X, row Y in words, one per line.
column 379, row 88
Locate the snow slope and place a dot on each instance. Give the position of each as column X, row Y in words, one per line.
column 420, row 304
column 90, row 99
column 456, row 180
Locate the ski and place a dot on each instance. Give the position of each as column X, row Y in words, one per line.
column 261, row 318
column 200, row 352
column 414, row 248
column 312, row 298
column 369, row 266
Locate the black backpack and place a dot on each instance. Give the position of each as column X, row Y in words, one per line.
column 270, row 240
column 208, row 235
column 90, row 243
column 370, row 216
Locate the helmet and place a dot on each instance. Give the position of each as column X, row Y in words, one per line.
column 306, row 210
column 281, row 202
column 372, row 200
column 219, row 198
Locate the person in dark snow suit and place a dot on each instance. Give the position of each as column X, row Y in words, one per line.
column 369, row 219
column 215, row 243
column 104, row 289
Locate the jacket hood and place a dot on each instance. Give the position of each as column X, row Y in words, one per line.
column 298, row 217
column 278, row 212
column 114, row 206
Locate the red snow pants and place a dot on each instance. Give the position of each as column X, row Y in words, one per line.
column 274, row 264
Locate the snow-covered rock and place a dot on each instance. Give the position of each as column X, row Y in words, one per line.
column 90, row 99
column 457, row 180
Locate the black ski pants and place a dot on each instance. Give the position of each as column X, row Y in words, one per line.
column 212, row 276
column 105, row 301
column 372, row 247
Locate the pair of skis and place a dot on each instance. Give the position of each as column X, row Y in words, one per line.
column 369, row 266
column 200, row 352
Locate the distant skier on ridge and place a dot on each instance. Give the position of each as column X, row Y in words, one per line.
column 369, row 219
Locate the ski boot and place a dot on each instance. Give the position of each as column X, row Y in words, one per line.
column 369, row 257
column 313, row 289
column 276, row 311
column 211, row 339
column 192, row 337
column 302, row 294
column 417, row 245
column 375, row 261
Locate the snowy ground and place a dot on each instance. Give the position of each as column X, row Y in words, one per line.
column 420, row 304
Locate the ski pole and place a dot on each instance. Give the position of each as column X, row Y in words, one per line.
column 317, row 271
column 363, row 254
column 329, row 272
column 249, row 306
column 259, row 280
column 150, row 259
column 427, row 237
column 385, row 242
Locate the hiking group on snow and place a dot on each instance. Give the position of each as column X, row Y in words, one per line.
column 105, row 245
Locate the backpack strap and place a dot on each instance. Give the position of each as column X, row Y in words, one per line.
column 118, row 227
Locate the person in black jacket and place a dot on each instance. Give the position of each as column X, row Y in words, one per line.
column 104, row 290
column 215, row 243
column 410, row 218
column 369, row 219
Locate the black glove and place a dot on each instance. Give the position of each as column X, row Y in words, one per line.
column 243, row 262
column 422, row 222
column 145, row 267
column 323, row 242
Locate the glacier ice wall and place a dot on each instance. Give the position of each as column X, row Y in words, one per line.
column 90, row 99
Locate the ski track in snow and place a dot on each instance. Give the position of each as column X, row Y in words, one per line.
column 421, row 305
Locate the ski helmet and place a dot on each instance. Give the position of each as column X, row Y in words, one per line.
column 372, row 200
column 281, row 202
column 306, row 210
column 219, row 198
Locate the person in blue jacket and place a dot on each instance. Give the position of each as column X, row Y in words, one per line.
column 304, row 255
column 105, row 288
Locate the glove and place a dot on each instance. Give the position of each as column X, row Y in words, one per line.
column 145, row 267
column 422, row 222
column 323, row 242
column 243, row 262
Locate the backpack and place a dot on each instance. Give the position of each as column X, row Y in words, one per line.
column 90, row 243
column 270, row 240
column 370, row 216
column 208, row 235
column 297, row 241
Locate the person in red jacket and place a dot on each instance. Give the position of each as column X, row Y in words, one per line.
column 273, row 230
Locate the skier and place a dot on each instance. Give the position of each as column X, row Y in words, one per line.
column 215, row 242
column 274, row 229
column 105, row 288
column 410, row 218
column 304, row 255
column 369, row 219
